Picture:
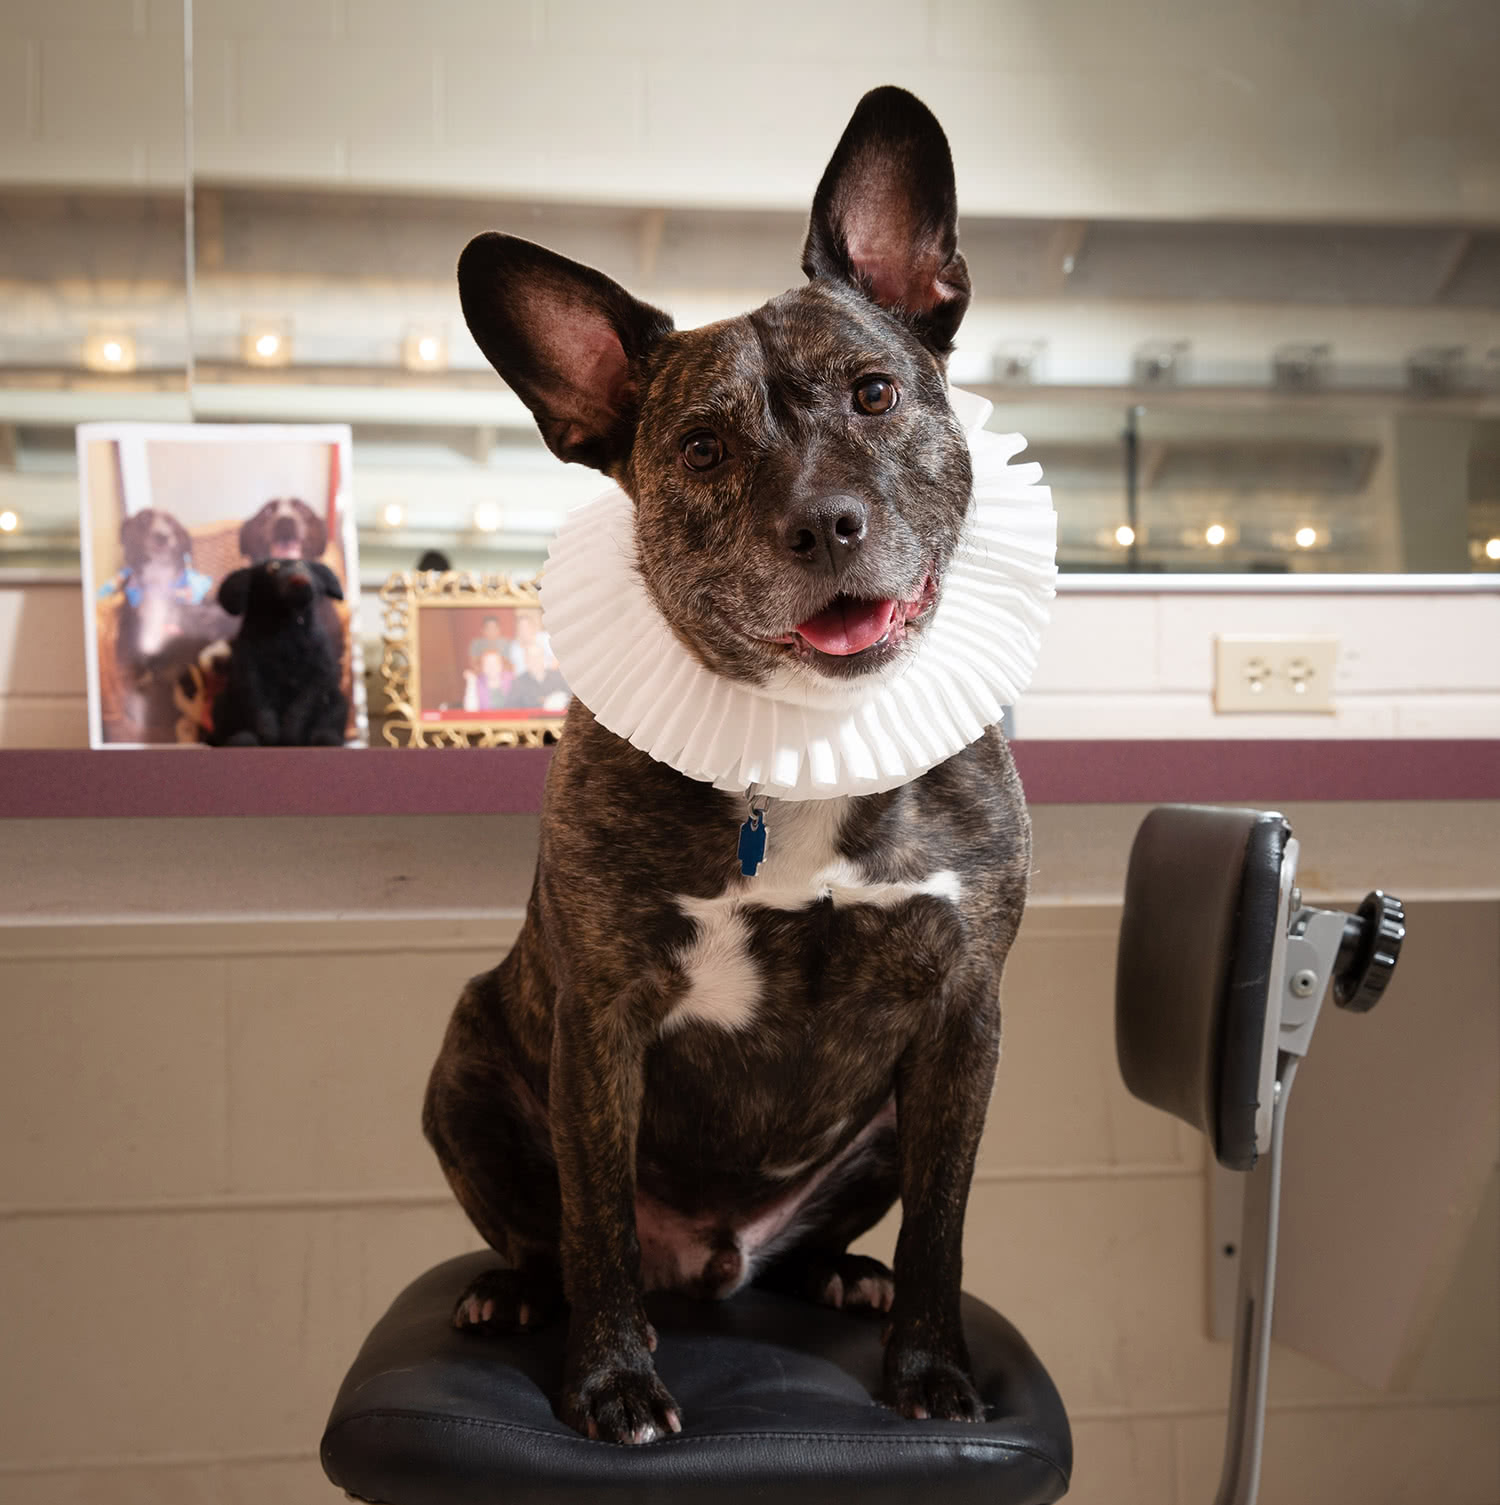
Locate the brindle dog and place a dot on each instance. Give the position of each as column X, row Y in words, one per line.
column 681, row 1077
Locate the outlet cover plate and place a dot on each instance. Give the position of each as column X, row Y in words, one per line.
column 1279, row 675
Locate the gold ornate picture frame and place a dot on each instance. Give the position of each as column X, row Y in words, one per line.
column 466, row 662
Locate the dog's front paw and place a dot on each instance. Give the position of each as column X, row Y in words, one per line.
column 618, row 1404
column 509, row 1301
column 924, row 1387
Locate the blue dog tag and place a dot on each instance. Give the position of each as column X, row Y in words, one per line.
column 753, row 843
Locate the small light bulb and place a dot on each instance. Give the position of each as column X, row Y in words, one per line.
column 1306, row 537
column 487, row 517
column 265, row 341
column 424, row 349
column 1491, row 549
column 109, row 350
column 9, row 522
column 1215, row 534
column 393, row 515
column 1124, row 535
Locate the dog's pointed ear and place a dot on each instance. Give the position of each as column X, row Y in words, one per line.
column 571, row 343
column 326, row 578
column 234, row 592
column 885, row 216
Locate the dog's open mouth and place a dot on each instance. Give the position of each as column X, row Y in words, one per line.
column 851, row 625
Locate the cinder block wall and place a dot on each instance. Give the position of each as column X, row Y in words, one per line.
column 212, row 1178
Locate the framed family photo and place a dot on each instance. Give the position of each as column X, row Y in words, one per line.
column 167, row 512
column 467, row 663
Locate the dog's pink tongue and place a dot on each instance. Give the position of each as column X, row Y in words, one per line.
column 848, row 626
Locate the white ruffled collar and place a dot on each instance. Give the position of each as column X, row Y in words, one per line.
column 804, row 736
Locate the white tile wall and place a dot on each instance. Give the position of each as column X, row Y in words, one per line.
column 17, row 68
column 1141, row 665
column 1113, row 665
column 95, row 20
column 284, row 20
column 1342, row 111
column 1387, row 643
column 89, row 82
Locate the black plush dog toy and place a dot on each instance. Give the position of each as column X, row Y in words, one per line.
column 283, row 688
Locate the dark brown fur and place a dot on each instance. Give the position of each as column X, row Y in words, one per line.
column 582, row 1138
column 286, row 528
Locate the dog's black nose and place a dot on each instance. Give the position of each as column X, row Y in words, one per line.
column 827, row 528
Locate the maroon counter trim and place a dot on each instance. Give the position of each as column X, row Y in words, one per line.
column 488, row 781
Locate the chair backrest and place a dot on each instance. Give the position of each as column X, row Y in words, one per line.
column 1195, row 967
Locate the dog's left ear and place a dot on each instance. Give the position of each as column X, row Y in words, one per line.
column 571, row 343
column 885, row 217
column 234, row 592
column 326, row 578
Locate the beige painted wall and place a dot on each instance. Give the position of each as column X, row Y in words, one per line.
column 212, row 1179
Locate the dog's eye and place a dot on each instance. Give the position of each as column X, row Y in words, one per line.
column 702, row 450
column 875, row 394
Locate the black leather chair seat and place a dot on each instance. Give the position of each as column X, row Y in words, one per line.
column 776, row 1399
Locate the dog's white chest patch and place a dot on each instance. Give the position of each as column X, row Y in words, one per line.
column 802, row 867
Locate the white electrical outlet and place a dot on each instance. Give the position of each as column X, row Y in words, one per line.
column 1279, row 674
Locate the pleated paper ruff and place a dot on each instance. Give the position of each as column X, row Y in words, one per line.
column 806, row 737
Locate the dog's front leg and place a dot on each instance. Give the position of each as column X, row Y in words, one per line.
column 610, row 1388
column 943, row 1085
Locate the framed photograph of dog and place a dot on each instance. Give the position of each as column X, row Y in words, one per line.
column 167, row 512
column 468, row 664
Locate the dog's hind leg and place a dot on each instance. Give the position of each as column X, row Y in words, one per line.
column 512, row 1300
column 818, row 1266
column 490, row 1134
column 831, row 1277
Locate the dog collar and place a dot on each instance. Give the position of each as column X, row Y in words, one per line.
column 803, row 736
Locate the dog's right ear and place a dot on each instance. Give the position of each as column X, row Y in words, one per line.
column 570, row 342
column 234, row 592
column 885, row 217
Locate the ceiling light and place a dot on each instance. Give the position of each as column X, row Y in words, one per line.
column 1215, row 534
column 393, row 514
column 1124, row 535
column 425, row 348
column 1491, row 549
column 109, row 350
column 487, row 517
column 1306, row 537
column 266, row 342
column 9, row 522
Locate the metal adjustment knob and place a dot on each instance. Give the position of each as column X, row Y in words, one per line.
column 1369, row 951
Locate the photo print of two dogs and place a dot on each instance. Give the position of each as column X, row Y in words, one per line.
column 169, row 514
